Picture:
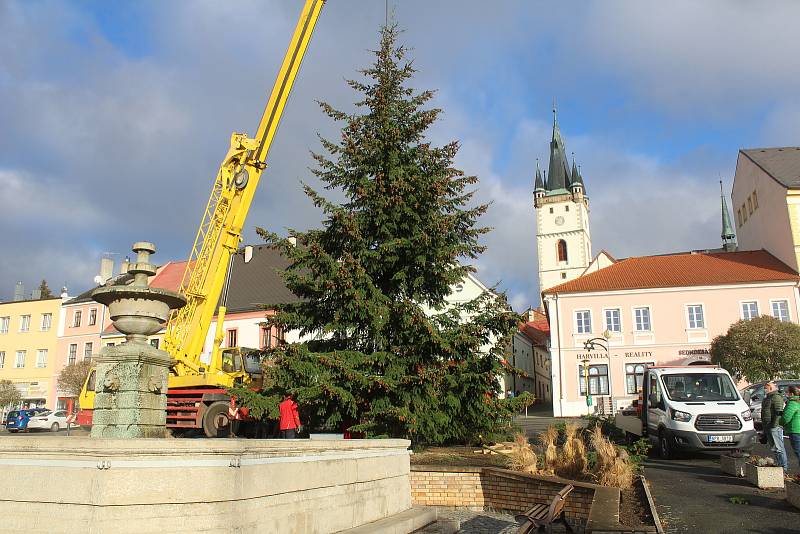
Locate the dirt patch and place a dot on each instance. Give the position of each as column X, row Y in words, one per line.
column 458, row 456
column 634, row 510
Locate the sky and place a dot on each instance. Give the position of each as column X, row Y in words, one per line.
column 114, row 116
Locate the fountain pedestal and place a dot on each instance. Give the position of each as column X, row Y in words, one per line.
column 131, row 383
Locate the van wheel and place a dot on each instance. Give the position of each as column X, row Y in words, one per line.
column 216, row 423
column 54, row 427
column 665, row 446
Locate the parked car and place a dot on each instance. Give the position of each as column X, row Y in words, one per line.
column 47, row 420
column 754, row 394
column 15, row 420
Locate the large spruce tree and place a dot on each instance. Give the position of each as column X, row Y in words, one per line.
column 378, row 364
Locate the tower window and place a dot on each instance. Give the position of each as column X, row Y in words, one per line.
column 755, row 201
column 566, row 208
column 750, row 205
column 561, row 249
column 739, row 216
column 551, row 210
column 563, row 276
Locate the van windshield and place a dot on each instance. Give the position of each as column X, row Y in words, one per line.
column 699, row 387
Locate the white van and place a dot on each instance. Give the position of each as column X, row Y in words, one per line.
column 695, row 408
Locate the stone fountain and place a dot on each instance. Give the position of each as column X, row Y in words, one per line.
column 134, row 486
column 131, row 381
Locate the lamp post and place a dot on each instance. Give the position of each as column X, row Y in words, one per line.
column 589, row 345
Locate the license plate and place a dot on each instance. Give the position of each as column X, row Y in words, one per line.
column 720, row 439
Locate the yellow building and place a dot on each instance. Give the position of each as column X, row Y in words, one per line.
column 28, row 338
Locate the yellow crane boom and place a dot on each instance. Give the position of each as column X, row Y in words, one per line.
column 220, row 230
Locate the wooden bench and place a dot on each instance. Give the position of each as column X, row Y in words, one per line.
column 543, row 515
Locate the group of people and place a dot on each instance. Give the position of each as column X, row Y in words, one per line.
column 779, row 417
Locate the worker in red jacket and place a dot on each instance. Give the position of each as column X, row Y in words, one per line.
column 290, row 419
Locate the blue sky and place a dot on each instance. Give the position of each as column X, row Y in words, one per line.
column 115, row 116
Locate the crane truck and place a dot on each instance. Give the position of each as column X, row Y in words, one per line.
column 691, row 408
column 197, row 396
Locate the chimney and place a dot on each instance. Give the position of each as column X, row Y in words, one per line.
column 123, row 267
column 19, row 292
column 36, row 294
column 248, row 253
column 293, row 241
column 106, row 268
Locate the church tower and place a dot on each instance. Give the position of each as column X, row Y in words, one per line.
column 562, row 218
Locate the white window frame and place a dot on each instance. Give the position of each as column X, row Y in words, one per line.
column 625, row 373
column 89, row 321
column 45, row 326
column 2, row 359
column 743, row 315
column 688, row 317
column 619, row 316
column 17, row 359
column 577, row 323
column 25, row 323
column 772, row 302
column 72, row 355
column 88, row 347
column 649, row 319
column 41, row 363
column 5, row 321
column 608, row 378
column 77, row 318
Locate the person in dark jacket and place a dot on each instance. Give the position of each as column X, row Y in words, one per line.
column 791, row 419
column 771, row 410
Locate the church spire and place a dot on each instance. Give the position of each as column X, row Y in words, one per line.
column 539, row 186
column 728, row 237
column 558, row 176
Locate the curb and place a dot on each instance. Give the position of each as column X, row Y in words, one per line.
column 652, row 504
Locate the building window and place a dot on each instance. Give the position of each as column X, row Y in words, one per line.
column 613, row 322
column 561, row 250
column 76, row 318
column 93, row 317
column 749, row 310
column 598, row 380
column 634, row 377
column 110, row 344
column 780, row 310
column 744, row 213
column 232, row 335
column 4, row 324
column 24, row 323
column 154, row 343
column 47, row 322
column 72, row 356
column 563, row 276
column 2, row 358
column 642, row 319
column 20, row 361
column 696, row 319
column 750, row 205
column 87, row 351
column 266, row 337
column 41, row 358
column 583, row 320
column 739, row 217
column 566, row 208
column 755, row 200
column 551, row 210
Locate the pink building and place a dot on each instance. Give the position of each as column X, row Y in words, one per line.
column 654, row 310
column 80, row 324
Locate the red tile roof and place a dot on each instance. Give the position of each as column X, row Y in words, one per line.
column 682, row 270
column 537, row 331
column 169, row 276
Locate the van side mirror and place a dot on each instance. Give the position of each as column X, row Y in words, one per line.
column 754, row 398
column 746, row 397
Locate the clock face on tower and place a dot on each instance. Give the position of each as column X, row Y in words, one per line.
column 559, row 220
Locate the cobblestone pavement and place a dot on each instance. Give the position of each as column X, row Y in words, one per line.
column 469, row 522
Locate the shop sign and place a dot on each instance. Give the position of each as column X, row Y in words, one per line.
column 639, row 354
column 593, row 356
column 693, row 352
